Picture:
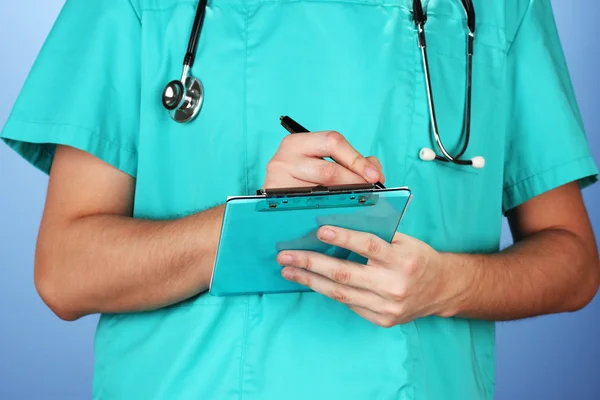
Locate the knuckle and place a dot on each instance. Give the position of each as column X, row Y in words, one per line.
column 343, row 238
column 373, row 245
column 306, row 280
column 287, row 141
column 334, row 138
column 308, row 264
column 375, row 160
column 398, row 292
column 327, row 172
column 341, row 276
column 385, row 322
column 301, row 278
column 394, row 311
column 339, row 295
column 411, row 266
column 293, row 274
column 358, row 162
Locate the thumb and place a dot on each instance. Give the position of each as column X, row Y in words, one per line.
column 375, row 162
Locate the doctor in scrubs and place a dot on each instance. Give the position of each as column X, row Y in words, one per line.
column 135, row 199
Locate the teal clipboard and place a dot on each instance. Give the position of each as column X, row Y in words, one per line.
column 256, row 228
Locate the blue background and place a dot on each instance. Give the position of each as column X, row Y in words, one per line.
column 41, row 357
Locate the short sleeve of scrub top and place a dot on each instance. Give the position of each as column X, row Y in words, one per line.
column 546, row 146
column 88, row 90
column 84, row 88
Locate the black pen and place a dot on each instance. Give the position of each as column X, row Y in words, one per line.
column 293, row 127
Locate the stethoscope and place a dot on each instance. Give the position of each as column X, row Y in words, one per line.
column 183, row 98
column 427, row 154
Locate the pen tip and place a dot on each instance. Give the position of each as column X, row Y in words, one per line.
column 281, row 118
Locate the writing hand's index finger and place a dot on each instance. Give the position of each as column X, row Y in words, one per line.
column 334, row 145
column 342, row 152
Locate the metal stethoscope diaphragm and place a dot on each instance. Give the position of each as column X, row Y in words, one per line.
column 183, row 98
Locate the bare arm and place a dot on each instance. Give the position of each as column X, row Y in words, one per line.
column 92, row 256
column 552, row 267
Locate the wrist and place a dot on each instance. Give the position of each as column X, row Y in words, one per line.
column 205, row 227
column 460, row 281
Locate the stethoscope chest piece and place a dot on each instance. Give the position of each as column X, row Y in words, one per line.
column 183, row 101
column 183, row 98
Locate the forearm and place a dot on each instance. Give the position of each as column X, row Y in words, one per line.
column 110, row 263
column 549, row 272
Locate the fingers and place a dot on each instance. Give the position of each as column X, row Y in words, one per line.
column 278, row 177
column 336, row 291
column 366, row 244
column 368, row 304
column 375, row 161
column 332, row 144
column 274, row 182
column 378, row 319
column 340, row 271
column 324, row 172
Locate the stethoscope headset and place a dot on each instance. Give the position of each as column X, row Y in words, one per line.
column 183, row 98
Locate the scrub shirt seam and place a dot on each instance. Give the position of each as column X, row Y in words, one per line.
column 245, row 97
column 161, row 9
column 88, row 130
column 135, row 12
column 537, row 174
column 481, row 64
column 519, row 26
column 367, row 3
column 245, row 4
column 453, row 18
column 409, row 355
column 412, row 113
column 243, row 350
column 245, row 133
column 408, row 150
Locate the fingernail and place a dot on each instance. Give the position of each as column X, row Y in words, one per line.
column 372, row 174
column 286, row 259
column 327, row 234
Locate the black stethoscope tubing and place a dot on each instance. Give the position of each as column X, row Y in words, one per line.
column 183, row 98
column 426, row 154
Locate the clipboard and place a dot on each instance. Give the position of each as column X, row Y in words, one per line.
column 256, row 228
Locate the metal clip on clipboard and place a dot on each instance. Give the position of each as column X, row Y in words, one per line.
column 359, row 195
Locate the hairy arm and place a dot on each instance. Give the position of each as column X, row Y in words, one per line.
column 93, row 257
column 552, row 267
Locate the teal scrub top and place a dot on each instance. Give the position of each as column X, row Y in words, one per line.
column 348, row 65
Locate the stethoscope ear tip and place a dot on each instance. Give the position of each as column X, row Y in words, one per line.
column 478, row 162
column 426, row 154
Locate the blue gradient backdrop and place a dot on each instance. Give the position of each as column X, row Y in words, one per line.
column 553, row 357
